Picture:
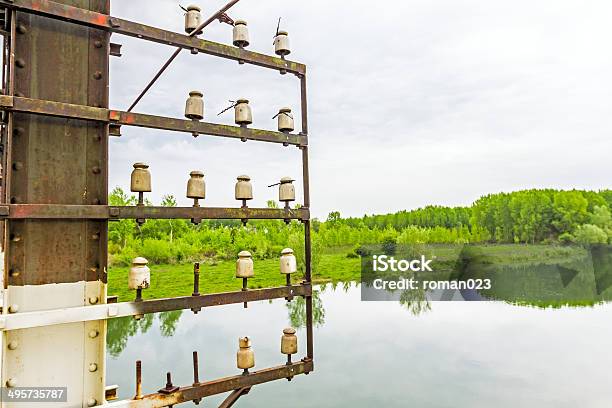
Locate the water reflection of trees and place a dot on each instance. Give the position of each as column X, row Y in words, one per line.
column 297, row 311
column 121, row 329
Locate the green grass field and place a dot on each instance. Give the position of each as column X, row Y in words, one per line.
column 177, row 280
column 334, row 266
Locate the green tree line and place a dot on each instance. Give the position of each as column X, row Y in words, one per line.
column 529, row 216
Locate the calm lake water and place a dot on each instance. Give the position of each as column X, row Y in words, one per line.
column 457, row 354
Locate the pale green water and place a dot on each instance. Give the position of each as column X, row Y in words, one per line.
column 458, row 354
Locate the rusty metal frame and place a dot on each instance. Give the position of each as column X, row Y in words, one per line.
column 115, row 117
column 103, row 212
column 15, row 103
column 206, row 389
column 116, row 25
column 27, row 320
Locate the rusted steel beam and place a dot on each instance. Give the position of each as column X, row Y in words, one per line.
column 223, row 385
column 233, row 397
column 43, row 318
column 116, row 25
column 211, row 129
column 115, row 117
column 103, row 212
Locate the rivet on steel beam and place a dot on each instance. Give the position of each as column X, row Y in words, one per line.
column 21, row 28
column 20, row 63
column 93, row 300
column 13, row 345
column 13, row 308
column 114, row 22
column 14, row 272
column 93, row 334
column 97, row 75
column 93, row 367
column 92, row 402
column 15, row 237
column 169, row 388
column 17, row 166
column 96, row 170
column 15, row 200
column 98, row 44
column 113, row 212
column 95, row 236
column 18, row 131
column 11, row 382
column 138, row 395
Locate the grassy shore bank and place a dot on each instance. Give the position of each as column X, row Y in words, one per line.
column 177, row 280
column 334, row 266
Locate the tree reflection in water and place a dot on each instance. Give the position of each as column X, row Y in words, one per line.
column 121, row 329
column 297, row 311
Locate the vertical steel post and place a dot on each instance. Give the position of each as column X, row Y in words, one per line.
column 307, row 235
column 57, row 263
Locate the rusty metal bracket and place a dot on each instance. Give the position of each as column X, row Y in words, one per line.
column 42, row 318
column 234, row 396
column 103, row 212
column 116, row 25
column 220, row 386
column 117, row 118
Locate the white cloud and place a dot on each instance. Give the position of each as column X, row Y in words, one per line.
column 418, row 102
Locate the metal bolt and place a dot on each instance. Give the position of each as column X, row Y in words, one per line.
column 96, row 170
column 138, row 380
column 20, row 63
column 14, row 272
column 98, row 44
column 15, row 237
column 13, row 345
column 93, row 300
column 97, row 75
column 92, row 402
column 18, row 131
column 95, row 236
column 21, row 29
column 13, row 308
column 17, row 166
column 93, row 334
column 11, row 382
column 93, row 367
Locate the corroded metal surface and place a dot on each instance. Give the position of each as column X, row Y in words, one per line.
column 103, row 212
column 220, row 386
column 120, row 26
column 66, row 315
column 115, row 117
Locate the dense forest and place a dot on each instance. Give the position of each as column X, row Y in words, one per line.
column 529, row 216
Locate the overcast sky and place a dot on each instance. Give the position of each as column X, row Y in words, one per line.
column 411, row 102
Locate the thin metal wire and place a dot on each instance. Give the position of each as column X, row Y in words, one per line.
column 178, row 51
